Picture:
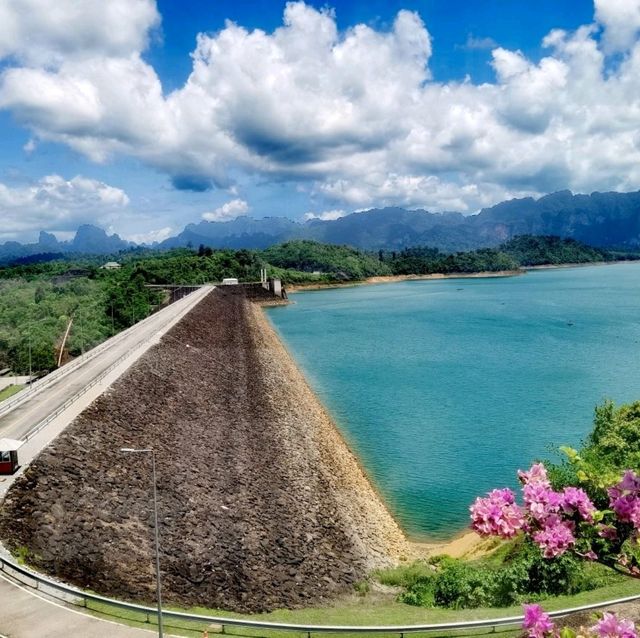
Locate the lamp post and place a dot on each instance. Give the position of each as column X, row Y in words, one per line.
column 155, row 520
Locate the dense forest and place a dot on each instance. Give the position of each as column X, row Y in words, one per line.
column 533, row 250
column 41, row 297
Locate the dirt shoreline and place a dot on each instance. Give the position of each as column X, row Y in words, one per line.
column 581, row 264
column 387, row 279
column 262, row 505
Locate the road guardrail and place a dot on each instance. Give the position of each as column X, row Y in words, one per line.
column 81, row 598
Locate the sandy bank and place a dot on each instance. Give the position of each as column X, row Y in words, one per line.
column 582, row 264
column 386, row 279
column 465, row 545
column 261, row 503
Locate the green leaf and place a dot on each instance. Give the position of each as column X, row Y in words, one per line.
column 571, row 453
column 567, row 632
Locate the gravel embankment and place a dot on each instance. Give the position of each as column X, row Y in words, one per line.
column 261, row 503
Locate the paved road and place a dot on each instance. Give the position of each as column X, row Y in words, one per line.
column 17, row 423
column 24, row 614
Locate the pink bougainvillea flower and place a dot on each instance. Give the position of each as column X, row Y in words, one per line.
column 624, row 499
column 555, row 538
column 630, row 482
column 607, row 531
column 541, row 501
column 590, row 555
column 497, row 514
column 575, row 499
column 537, row 623
column 612, row 627
column 537, row 475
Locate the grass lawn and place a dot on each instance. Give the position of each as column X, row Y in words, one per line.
column 370, row 609
column 10, row 391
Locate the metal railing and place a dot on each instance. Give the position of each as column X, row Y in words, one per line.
column 71, row 400
column 81, row 598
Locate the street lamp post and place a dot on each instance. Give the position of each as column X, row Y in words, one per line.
column 157, row 535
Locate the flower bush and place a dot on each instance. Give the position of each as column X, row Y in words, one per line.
column 566, row 520
column 558, row 521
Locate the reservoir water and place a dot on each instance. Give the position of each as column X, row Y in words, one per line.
column 444, row 388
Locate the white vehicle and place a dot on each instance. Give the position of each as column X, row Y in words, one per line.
column 230, row 281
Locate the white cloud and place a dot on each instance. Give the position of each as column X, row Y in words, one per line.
column 56, row 204
column 417, row 191
column 45, row 32
column 157, row 235
column 621, row 22
column 353, row 115
column 229, row 210
column 327, row 215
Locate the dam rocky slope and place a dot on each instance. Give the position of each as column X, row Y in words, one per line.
column 261, row 504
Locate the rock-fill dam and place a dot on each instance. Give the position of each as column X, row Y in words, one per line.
column 261, row 503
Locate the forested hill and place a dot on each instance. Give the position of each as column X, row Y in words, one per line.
column 533, row 250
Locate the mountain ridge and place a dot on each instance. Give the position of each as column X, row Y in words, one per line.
column 609, row 219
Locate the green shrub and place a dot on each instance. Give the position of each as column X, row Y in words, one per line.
column 405, row 575
column 460, row 585
column 523, row 575
column 420, row 593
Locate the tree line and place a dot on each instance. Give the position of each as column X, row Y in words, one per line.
column 41, row 298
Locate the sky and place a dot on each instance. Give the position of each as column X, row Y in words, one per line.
column 142, row 116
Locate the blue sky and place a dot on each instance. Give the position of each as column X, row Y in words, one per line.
column 142, row 116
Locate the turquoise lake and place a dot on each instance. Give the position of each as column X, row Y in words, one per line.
column 444, row 388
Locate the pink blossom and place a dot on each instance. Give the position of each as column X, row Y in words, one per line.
column 590, row 555
column 627, row 509
column 630, row 482
column 611, row 627
column 497, row 514
column 607, row 531
column 575, row 499
column 537, row 623
column 537, row 475
column 541, row 501
column 555, row 538
column 624, row 498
